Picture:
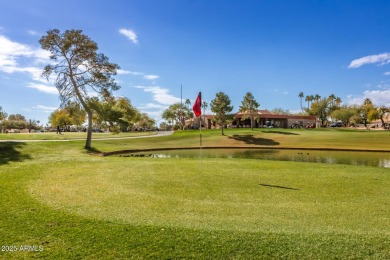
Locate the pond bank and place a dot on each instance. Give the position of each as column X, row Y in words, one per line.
column 242, row 147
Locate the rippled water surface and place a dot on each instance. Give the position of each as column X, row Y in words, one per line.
column 333, row 157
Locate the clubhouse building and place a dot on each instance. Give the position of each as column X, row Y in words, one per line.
column 262, row 118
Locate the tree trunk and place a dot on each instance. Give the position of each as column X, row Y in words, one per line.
column 252, row 123
column 89, row 130
column 86, row 108
column 222, row 130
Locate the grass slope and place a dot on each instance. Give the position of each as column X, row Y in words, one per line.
column 78, row 206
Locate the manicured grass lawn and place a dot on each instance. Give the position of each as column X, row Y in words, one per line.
column 80, row 206
column 269, row 138
column 68, row 135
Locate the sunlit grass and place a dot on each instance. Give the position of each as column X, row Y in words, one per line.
column 81, row 206
column 68, row 135
column 239, row 195
column 270, row 138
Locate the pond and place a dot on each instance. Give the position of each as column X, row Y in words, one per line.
column 379, row 159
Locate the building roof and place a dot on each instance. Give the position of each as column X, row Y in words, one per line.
column 267, row 114
column 258, row 112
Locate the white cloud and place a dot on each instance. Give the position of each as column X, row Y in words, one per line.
column 32, row 32
column 34, row 71
column 295, row 111
column 135, row 73
column 151, row 77
column 152, row 106
column 43, row 88
column 6, row 61
column 279, row 91
column 41, row 56
column 160, row 95
column 154, row 114
column 122, row 72
column 11, row 52
column 378, row 97
column 9, row 47
column 382, row 58
column 383, row 85
column 45, row 109
column 387, row 73
column 129, row 34
column 127, row 72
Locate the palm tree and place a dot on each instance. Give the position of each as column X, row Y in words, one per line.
column 317, row 97
column 367, row 101
column 338, row 101
column 331, row 99
column 204, row 106
column 301, row 95
column 188, row 103
column 309, row 99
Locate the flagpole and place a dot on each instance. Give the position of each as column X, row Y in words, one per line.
column 200, row 139
column 181, row 106
column 197, row 108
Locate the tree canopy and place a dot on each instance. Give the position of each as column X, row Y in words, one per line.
column 320, row 109
column 3, row 116
column 71, row 113
column 115, row 113
column 78, row 68
column 365, row 111
column 177, row 112
column 15, row 121
column 344, row 114
column 221, row 106
column 249, row 104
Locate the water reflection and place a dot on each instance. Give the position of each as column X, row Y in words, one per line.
column 312, row 156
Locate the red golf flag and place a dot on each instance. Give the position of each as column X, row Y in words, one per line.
column 197, row 105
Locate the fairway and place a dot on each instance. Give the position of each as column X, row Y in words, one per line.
column 69, row 136
column 77, row 204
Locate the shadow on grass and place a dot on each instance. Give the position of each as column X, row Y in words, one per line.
column 250, row 139
column 278, row 132
column 10, row 152
column 93, row 151
column 277, row 186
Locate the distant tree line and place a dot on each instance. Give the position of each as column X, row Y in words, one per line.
column 17, row 121
column 176, row 114
column 326, row 109
column 331, row 109
column 115, row 114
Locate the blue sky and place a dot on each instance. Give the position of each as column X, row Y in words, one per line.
column 274, row 49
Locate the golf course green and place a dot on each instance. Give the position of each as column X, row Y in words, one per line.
column 60, row 201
